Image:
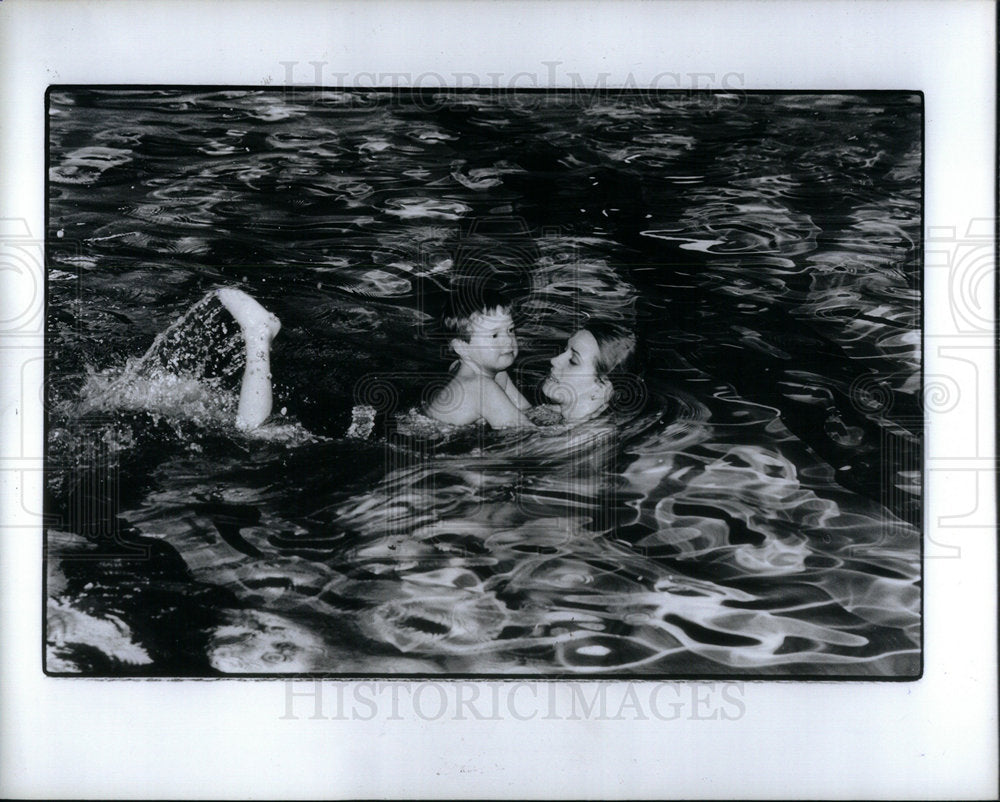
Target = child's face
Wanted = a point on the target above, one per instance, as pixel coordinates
(491, 343)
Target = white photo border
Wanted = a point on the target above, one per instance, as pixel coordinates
(932, 738)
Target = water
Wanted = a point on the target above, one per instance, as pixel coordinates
(753, 509)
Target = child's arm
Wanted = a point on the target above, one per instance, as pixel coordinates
(507, 385)
(498, 410)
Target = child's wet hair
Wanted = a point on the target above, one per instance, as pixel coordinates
(467, 301)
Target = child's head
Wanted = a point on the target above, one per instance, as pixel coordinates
(483, 327)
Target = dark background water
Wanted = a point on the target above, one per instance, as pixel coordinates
(756, 513)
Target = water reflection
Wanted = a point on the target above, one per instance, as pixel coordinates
(764, 249)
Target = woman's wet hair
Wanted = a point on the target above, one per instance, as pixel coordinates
(616, 363)
(616, 348)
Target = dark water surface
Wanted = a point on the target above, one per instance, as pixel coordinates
(754, 511)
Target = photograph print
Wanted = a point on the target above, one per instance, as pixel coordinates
(562, 383)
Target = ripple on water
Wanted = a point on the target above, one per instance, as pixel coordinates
(710, 537)
(450, 620)
(380, 284)
(424, 208)
(256, 642)
(88, 165)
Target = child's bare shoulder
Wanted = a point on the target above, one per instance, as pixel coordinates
(459, 401)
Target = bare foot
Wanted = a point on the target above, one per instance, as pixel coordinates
(255, 321)
(259, 327)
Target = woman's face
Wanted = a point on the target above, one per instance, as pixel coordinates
(573, 383)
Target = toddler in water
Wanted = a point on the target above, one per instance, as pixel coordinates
(485, 343)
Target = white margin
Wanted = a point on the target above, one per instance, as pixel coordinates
(936, 738)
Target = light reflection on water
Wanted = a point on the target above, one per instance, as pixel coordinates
(736, 523)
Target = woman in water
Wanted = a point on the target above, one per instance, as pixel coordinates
(583, 381)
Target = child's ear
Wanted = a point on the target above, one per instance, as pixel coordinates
(459, 346)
